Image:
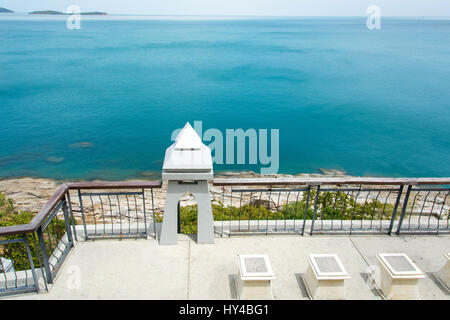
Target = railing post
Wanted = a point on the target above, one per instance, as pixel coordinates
(178, 218)
(38, 253)
(153, 213)
(405, 203)
(82, 215)
(44, 255)
(71, 215)
(315, 208)
(67, 222)
(354, 208)
(306, 210)
(145, 214)
(394, 212)
(30, 259)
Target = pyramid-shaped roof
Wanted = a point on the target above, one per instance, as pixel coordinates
(188, 157)
(188, 139)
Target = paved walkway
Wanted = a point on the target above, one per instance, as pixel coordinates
(142, 269)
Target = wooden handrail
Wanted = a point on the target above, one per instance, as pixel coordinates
(115, 184)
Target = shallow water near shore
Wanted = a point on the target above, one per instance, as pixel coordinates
(101, 102)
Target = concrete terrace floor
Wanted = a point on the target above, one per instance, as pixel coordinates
(143, 269)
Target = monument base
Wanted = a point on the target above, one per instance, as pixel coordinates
(205, 221)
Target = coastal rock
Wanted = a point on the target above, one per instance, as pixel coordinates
(332, 172)
(29, 194)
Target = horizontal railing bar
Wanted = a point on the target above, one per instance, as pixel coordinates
(269, 190)
(356, 189)
(115, 184)
(430, 189)
(22, 289)
(263, 232)
(11, 241)
(117, 236)
(424, 231)
(321, 190)
(355, 232)
(110, 193)
(326, 189)
(330, 181)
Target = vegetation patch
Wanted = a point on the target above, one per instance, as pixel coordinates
(330, 206)
(16, 252)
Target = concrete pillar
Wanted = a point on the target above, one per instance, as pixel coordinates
(205, 221)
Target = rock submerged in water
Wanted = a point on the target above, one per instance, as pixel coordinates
(55, 159)
(332, 172)
(150, 174)
(79, 145)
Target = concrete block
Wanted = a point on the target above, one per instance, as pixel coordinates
(444, 273)
(253, 281)
(399, 276)
(325, 277)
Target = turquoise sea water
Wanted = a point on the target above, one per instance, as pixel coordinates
(368, 102)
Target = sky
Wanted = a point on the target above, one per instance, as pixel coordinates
(241, 7)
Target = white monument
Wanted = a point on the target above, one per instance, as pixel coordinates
(253, 281)
(399, 276)
(187, 167)
(325, 277)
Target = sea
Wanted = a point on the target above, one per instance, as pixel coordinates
(102, 101)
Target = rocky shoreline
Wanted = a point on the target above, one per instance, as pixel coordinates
(31, 194)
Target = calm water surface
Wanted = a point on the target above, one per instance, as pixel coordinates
(368, 102)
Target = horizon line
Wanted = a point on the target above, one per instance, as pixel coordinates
(244, 15)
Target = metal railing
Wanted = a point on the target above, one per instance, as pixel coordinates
(332, 205)
(22, 277)
(98, 210)
(425, 210)
(37, 250)
(47, 239)
(55, 237)
(107, 211)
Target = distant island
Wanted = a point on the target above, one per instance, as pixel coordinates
(4, 10)
(94, 13)
(52, 12)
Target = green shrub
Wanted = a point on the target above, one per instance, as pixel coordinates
(16, 252)
(330, 205)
